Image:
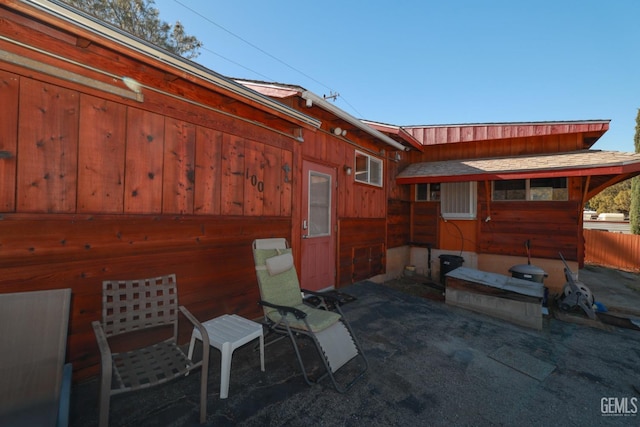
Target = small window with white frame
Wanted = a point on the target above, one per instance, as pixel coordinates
(368, 169)
(458, 200)
(428, 192)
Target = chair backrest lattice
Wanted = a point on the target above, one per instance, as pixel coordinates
(131, 305)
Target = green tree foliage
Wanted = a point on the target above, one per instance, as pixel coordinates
(616, 198)
(141, 18)
(634, 209)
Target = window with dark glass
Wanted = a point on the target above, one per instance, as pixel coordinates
(512, 189)
(428, 192)
(548, 189)
(531, 189)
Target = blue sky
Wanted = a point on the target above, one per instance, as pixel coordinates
(435, 62)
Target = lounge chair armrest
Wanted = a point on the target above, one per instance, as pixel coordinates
(284, 310)
(103, 344)
(198, 325)
(331, 296)
(106, 366)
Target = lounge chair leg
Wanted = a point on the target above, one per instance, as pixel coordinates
(262, 353)
(104, 401)
(204, 376)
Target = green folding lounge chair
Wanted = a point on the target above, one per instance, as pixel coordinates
(286, 313)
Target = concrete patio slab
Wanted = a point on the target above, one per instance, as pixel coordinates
(523, 362)
(430, 364)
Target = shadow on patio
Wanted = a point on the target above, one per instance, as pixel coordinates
(429, 363)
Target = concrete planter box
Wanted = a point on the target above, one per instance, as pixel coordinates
(515, 300)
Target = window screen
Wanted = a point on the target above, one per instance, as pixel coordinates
(458, 200)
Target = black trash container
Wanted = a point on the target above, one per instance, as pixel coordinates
(449, 263)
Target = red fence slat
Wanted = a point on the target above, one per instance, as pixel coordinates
(616, 250)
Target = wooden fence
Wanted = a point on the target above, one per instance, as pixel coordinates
(616, 250)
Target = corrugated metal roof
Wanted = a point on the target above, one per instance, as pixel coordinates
(576, 163)
(453, 133)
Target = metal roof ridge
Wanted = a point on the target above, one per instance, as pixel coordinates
(548, 122)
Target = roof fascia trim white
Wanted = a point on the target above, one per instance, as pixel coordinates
(320, 102)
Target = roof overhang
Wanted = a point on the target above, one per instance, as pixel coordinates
(591, 130)
(398, 131)
(577, 163)
(280, 90)
(101, 29)
(314, 99)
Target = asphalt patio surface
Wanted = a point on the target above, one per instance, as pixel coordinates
(429, 364)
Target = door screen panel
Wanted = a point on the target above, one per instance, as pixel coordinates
(319, 204)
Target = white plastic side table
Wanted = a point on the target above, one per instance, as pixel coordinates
(226, 333)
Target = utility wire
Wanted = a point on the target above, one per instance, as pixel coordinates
(236, 63)
(260, 50)
(250, 44)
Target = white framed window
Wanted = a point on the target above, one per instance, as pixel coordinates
(530, 189)
(368, 169)
(428, 192)
(458, 200)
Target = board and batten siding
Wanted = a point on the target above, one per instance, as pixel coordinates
(75, 153)
(94, 189)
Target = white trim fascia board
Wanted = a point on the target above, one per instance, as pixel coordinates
(89, 23)
(320, 102)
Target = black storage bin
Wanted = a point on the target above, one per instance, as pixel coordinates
(449, 263)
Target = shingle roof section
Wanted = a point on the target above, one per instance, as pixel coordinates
(521, 165)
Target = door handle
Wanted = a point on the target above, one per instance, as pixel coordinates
(304, 224)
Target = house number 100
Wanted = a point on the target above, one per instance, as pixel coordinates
(254, 181)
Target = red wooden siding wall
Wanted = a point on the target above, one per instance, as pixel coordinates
(399, 205)
(98, 187)
(398, 224)
(362, 208)
(362, 249)
(82, 154)
(211, 257)
(425, 218)
(551, 227)
(94, 189)
(355, 200)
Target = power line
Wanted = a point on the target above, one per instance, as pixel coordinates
(250, 44)
(260, 50)
(236, 63)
